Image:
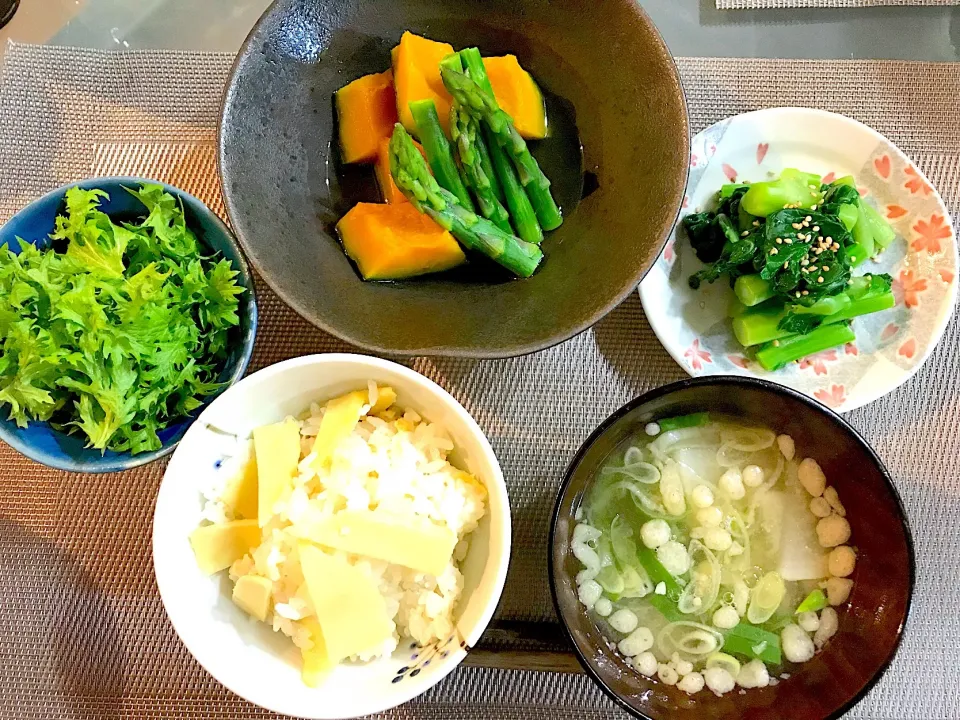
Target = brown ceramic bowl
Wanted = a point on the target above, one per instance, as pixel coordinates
(871, 623)
(611, 85)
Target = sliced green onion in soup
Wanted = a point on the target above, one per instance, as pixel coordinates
(611, 581)
(725, 661)
(636, 582)
(704, 587)
(766, 598)
(749, 439)
(690, 639)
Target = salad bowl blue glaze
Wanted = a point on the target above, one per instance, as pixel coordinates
(39, 440)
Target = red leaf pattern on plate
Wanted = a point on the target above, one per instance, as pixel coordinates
(895, 211)
(739, 360)
(711, 150)
(889, 331)
(946, 276)
(929, 234)
(914, 182)
(818, 361)
(686, 201)
(829, 178)
(850, 349)
(668, 252)
(863, 191)
(730, 173)
(762, 151)
(908, 349)
(909, 286)
(696, 355)
(834, 397)
(693, 160)
(882, 164)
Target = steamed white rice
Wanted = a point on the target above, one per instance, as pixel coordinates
(394, 463)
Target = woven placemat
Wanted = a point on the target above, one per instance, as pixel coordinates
(82, 630)
(788, 4)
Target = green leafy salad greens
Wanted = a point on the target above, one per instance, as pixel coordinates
(118, 329)
(789, 247)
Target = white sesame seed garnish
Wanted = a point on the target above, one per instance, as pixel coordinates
(776, 343)
(779, 241)
(798, 294)
(816, 228)
(788, 241)
(774, 251)
(786, 265)
(744, 233)
(813, 207)
(829, 239)
(826, 268)
(797, 226)
(806, 292)
(756, 223)
(820, 279)
(808, 218)
(853, 258)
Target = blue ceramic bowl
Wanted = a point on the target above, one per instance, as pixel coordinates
(39, 441)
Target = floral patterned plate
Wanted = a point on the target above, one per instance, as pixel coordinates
(890, 346)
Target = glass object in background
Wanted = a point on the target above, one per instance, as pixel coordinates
(690, 27)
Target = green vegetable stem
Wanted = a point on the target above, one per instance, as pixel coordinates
(752, 289)
(464, 130)
(438, 151)
(683, 421)
(484, 105)
(792, 189)
(521, 211)
(753, 642)
(778, 353)
(476, 233)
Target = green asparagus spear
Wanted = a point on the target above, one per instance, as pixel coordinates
(410, 173)
(464, 131)
(521, 211)
(472, 64)
(437, 148)
(486, 162)
(483, 104)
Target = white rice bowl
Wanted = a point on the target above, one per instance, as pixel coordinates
(405, 466)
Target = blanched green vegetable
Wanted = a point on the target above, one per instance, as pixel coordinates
(683, 421)
(793, 188)
(437, 148)
(814, 602)
(752, 289)
(864, 295)
(753, 642)
(521, 211)
(476, 233)
(465, 132)
(778, 353)
(484, 105)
